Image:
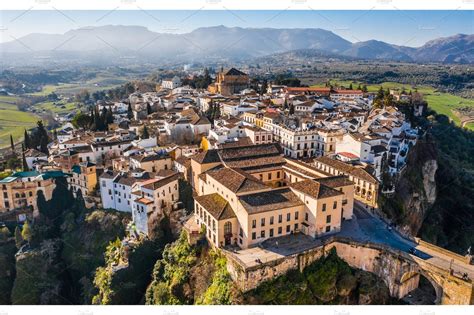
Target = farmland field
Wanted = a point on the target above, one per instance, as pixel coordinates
(69, 89)
(13, 121)
(442, 103)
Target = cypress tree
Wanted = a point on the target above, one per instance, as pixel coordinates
(292, 109)
(148, 109)
(129, 111)
(44, 145)
(12, 145)
(145, 134)
(26, 140)
(23, 160)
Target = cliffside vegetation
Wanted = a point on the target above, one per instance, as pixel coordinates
(58, 251)
(450, 221)
(190, 275)
(128, 267)
(434, 197)
(329, 280)
(198, 275)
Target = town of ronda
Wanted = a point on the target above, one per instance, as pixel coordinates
(244, 157)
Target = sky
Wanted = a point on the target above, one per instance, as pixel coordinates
(407, 28)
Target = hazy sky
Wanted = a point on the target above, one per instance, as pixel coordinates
(409, 28)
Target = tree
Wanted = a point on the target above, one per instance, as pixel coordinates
(4, 233)
(12, 144)
(109, 118)
(292, 109)
(380, 94)
(129, 111)
(145, 134)
(18, 238)
(350, 86)
(13, 163)
(26, 140)
(364, 89)
(264, 87)
(148, 109)
(82, 121)
(44, 145)
(388, 100)
(26, 232)
(23, 160)
(42, 204)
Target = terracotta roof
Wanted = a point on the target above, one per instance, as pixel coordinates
(335, 181)
(308, 89)
(205, 157)
(217, 206)
(144, 201)
(270, 200)
(237, 181)
(233, 71)
(348, 92)
(315, 189)
(161, 182)
(348, 169)
(248, 152)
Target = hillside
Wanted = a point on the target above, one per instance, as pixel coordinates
(198, 275)
(110, 43)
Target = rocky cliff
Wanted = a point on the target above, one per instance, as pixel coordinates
(415, 189)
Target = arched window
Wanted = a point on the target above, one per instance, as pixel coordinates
(227, 228)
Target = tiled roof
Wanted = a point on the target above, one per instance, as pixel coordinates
(347, 169)
(270, 200)
(315, 189)
(335, 181)
(206, 157)
(217, 206)
(236, 181)
(162, 182)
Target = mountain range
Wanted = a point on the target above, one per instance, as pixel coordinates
(230, 43)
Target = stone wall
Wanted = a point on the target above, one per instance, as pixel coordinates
(400, 271)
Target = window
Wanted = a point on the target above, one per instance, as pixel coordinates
(334, 205)
(227, 228)
(296, 226)
(271, 232)
(324, 207)
(279, 230)
(288, 228)
(262, 222)
(254, 224)
(288, 216)
(280, 218)
(241, 232)
(269, 176)
(254, 235)
(262, 234)
(296, 215)
(306, 216)
(328, 219)
(328, 228)
(271, 220)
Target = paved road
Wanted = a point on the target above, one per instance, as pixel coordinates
(363, 228)
(366, 227)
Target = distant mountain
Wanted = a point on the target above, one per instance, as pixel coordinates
(454, 49)
(374, 49)
(107, 43)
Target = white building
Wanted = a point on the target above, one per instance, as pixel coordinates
(171, 84)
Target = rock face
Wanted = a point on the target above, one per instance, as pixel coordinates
(415, 189)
